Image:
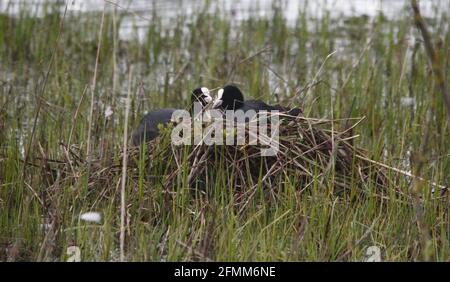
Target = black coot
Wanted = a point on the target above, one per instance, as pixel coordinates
(148, 127)
(231, 98)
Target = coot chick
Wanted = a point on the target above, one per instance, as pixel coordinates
(231, 98)
(148, 126)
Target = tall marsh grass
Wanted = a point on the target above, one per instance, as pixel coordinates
(333, 68)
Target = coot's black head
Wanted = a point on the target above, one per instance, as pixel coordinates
(201, 95)
(229, 98)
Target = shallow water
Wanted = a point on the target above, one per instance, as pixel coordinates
(138, 12)
(170, 8)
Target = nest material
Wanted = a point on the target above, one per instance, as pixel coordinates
(310, 151)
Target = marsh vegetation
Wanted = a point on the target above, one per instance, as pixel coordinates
(64, 83)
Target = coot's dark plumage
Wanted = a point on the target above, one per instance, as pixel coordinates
(231, 98)
(148, 127)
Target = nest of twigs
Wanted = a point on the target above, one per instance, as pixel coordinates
(312, 154)
(309, 150)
